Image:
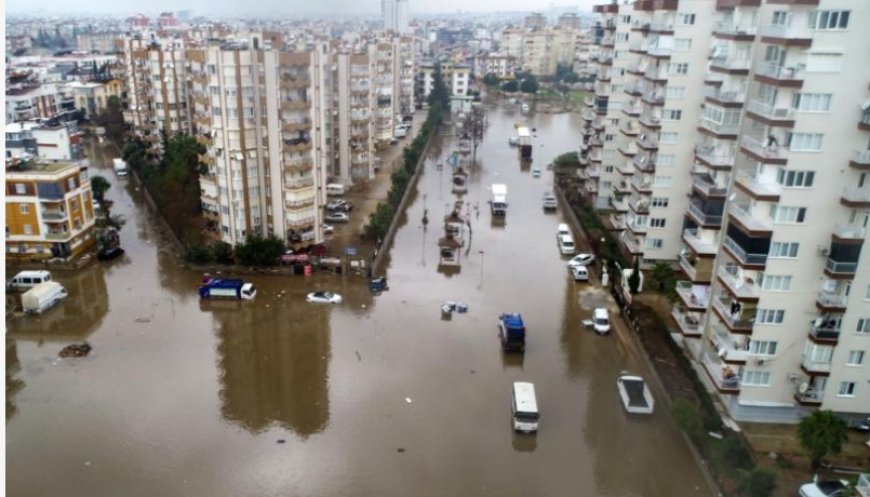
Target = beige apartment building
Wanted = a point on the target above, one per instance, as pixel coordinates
(745, 158)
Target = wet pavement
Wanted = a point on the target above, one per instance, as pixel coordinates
(375, 396)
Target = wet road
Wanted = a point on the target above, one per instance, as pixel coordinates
(183, 398)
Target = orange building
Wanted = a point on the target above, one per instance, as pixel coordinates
(49, 210)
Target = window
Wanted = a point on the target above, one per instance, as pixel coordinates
(755, 379)
(829, 19)
(668, 137)
(665, 160)
(788, 215)
(608, 138)
(28, 229)
(863, 326)
(24, 208)
(673, 92)
(679, 68)
(761, 347)
(662, 180)
(657, 222)
(685, 19)
(795, 179)
(780, 18)
(769, 316)
(856, 358)
(847, 389)
(783, 249)
(71, 183)
(608, 169)
(606, 185)
(653, 243)
(659, 201)
(776, 283)
(216, 111)
(804, 142)
(682, 44)
(812, 102)
(672, 115)
(625, 19)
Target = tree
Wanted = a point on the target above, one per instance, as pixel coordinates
(661, 278)
(634, 279)
(510, 86)
(821, 433)
(112, 119)
(759, 482)
(222, 253)
(259, 251)
(571, 78)
(440, 95)
(491, 79)
(99, 185)
(529, 85)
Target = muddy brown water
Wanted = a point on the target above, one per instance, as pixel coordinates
(279, 397)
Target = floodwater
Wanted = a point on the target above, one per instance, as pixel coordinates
(377, 396)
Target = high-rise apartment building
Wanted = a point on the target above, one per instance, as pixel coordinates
(737, 157)
(541, 49)
(394, 14)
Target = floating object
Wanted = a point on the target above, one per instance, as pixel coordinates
(461, 307)
(76, 350)
(408, 400)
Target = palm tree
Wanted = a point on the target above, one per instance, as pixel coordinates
(821, 433)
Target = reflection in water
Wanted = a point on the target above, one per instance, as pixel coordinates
(73, 319)
(511, 360)
(524, 442)
(274, 374)
(13, 385)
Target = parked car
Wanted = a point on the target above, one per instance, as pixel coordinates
(580, 273)
(562, 229)
(339, 205)
(323, 298)
(566, 245)
(830, 488)
(337, 217)
(328, 229)
(581, 260)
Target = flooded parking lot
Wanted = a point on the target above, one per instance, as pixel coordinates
(377, 396)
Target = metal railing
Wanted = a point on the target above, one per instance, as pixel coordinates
(691, 236)
(788, 32)
(684, 289)
(838, 267)
(742, 287)
(730, 62)
(708, 188)
(724, 96)
(811, 365)
(767, 152)
(741, 253)
(827, 299)
(721, 374)
(861, 156)
(759, 222)
(734, 29)
(726, 348)
(712, 156)
(702, 216)
(769, 111)
(849, 231)
(719, 128)
(756, 187)
(783, 73)
(737, 319)
(685, 321)
(857, 193)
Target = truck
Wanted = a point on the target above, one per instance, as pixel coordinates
(42, 297)
(227, 288)
(512, 332)
(120, 167)
(498, 204)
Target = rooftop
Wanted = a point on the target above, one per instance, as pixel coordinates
(31, 166)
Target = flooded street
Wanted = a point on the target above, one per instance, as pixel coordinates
(378, 396)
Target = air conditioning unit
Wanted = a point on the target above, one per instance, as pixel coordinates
(793, 378)
(824, 251)
(759, 362)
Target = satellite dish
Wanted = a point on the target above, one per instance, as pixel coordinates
(803, 387)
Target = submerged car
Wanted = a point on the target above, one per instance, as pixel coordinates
(323, 298)
(328, 229)
(337, 217)
(339, 205)
(581, 260)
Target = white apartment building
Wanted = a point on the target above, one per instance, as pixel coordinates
(541, 49)
(263, 114)
(456, 77)
(500, 64)
(394, 14)
(752, 169)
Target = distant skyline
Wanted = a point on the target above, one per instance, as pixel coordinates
(281, 7)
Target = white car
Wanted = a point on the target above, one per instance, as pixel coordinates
(562, 229)
(323, 298)
(337, 217)
(580, 273)
(581, 260)
(829, 488)
(566, 245)
(328, 229)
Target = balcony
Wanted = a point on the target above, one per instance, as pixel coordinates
(791, 36)
(650, 120)
(856, 196)
(703, 218)
(718, 96)
(695, 297)
(860, 159)
(770, 114)
(589, 100)
(706, 188)
(643, 164)
(840, 269)
(768, 192)
(57, 235)
(628, 149)
(654, 98)
(735, 316)
(741, 32)
(742, 288)
(714, 158)
(631, 243)
(810, 397)
(632, 110)
(629, 128)
(637, 47)
(721, 130)
(688, 322)
(791, 77)
(739, 253)
(658, 52)
(751, 222)
(848, 232)
(724, 378)
(701, 246)
(640, 206)
(766, 154)
(641, 185)
(50, 216)
(617, 222)
(730, 65)
(812, 367)
(619, 204)
(730, 349)
(831, 301)
(698, 269)
(647, 142)
(637, 225)
(656, 75)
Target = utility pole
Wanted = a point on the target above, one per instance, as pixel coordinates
(476, 125)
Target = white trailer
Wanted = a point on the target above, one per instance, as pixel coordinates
(498, 204)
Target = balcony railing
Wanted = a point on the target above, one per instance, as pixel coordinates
(658, 51)
(707, 188)
(724, 96)
(704, 217)
(828, 299)
(861, 156)
(630, 243)
(742, 255)
(719, 128)
(815, 366)
(857, 194)
(684, 290)
(770, 111)
(727, 348)
(778, 72)
(774, 152)
(757, 188)
(787, 32)
(734, 29)
(733, 63)
(688, 323)
(741, 287)
(756, 222)
(714, 157)
(811, 397)
(837, 267)
(736, 320)
(700, 246)
(849, 232)
(723, 376)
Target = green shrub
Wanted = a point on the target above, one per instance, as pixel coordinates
(759, 482)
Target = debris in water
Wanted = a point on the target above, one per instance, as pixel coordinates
(87, 463)
(358, 357)
(281, 440)
(76, 350)
(143, 319)
(472, 371)
(400, 450)
(408, 400)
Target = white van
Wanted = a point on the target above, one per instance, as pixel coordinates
(601, 321)
(550, 201)
(26, 280)
(566, 245)
(524, 407)
(580, 273)
(42, 297)
(335, 189)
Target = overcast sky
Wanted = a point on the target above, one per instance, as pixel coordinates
(301, 7)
